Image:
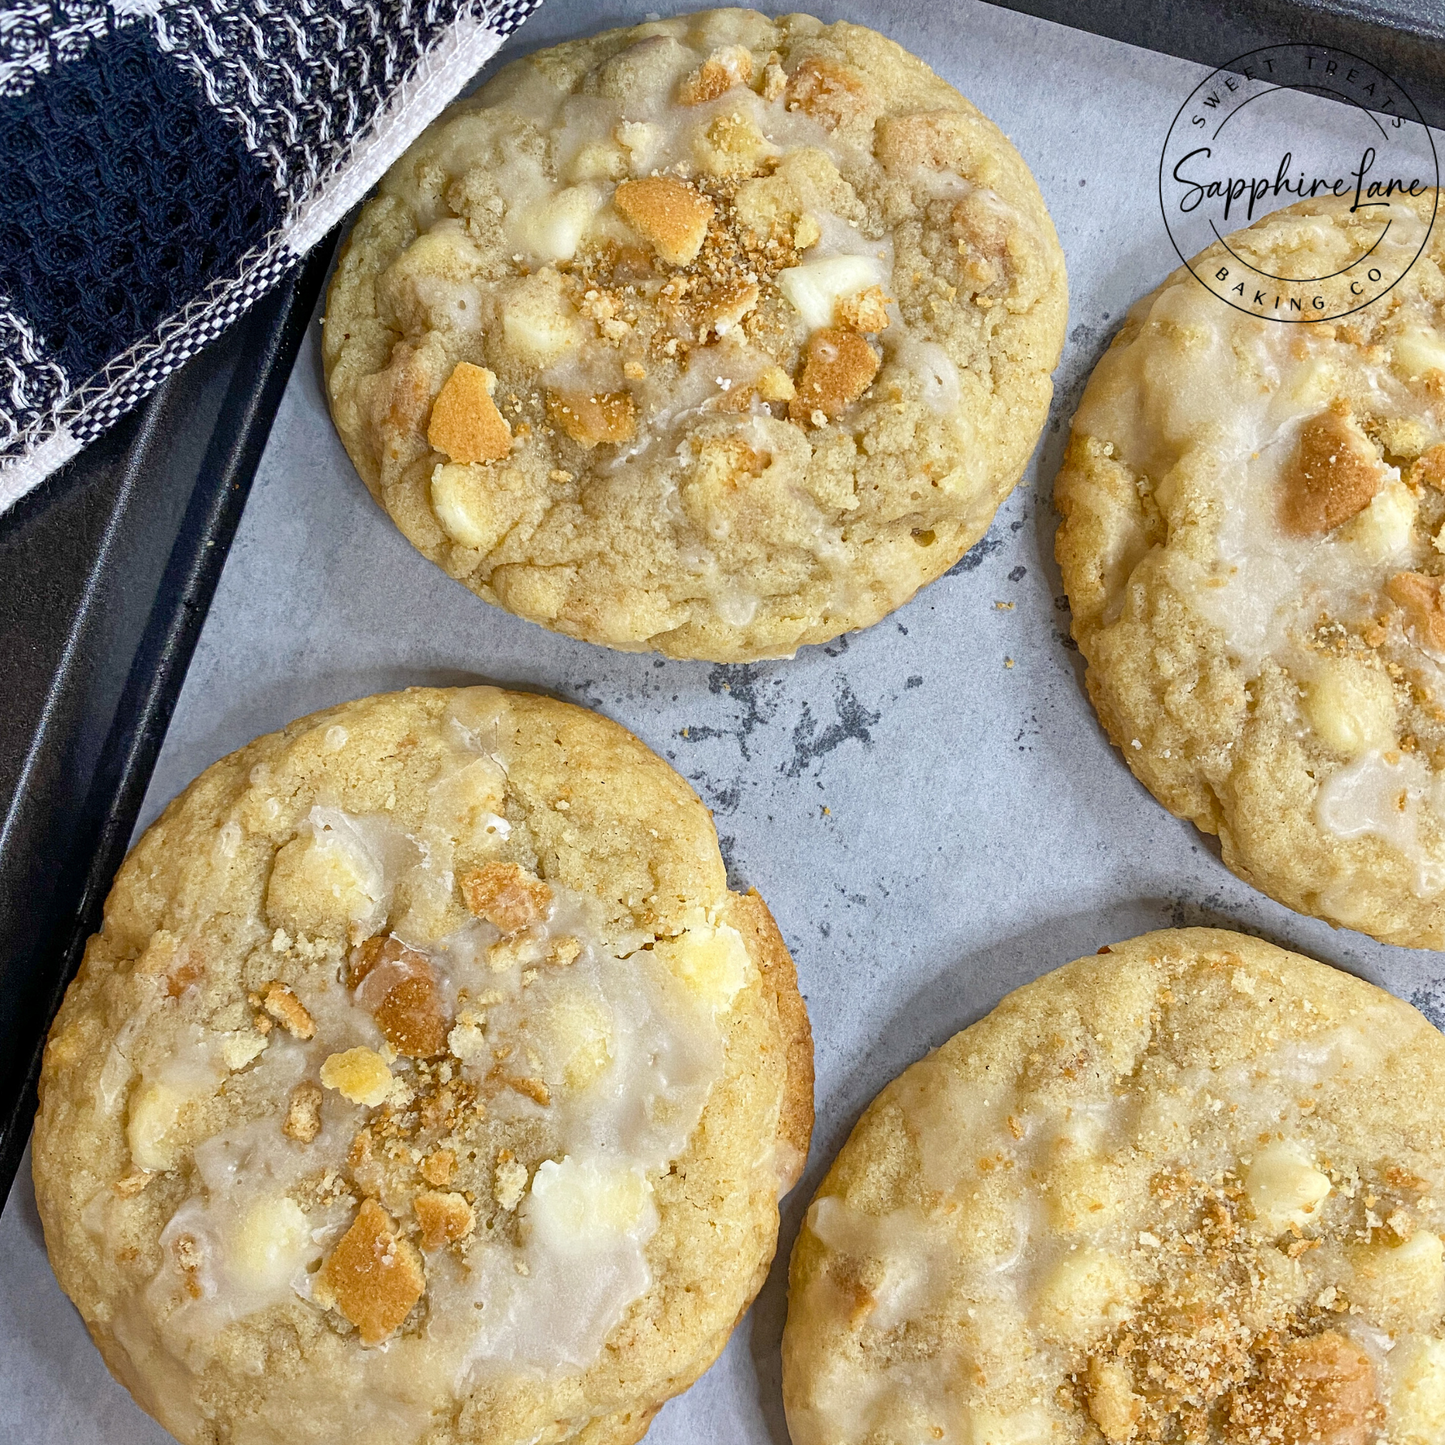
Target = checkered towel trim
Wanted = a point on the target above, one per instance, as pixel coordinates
(165, 163)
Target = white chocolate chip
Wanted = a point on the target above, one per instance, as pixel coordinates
(710, 958)
(1385, 528)
(1417, 1403)
(816, 287)
(576, 1204)
(1084, 1295)
(238, 1049)
(551, 229)
(269, 1243)
(1284, 1186)
(1351, 706)
(1417, 353)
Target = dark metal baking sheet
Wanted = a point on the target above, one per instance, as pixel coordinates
(108, 570)
(1404, 38)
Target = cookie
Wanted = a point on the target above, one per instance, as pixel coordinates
(425, 1083)
(1251, 546)
(1190, 1190)
(715, 336)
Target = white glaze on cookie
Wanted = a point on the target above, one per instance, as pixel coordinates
(445, 1133)
(1260, 503)
(764, 351)
(1091, 1229)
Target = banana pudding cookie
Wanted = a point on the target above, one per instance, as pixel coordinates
(425, 1084)
(1254, 519)
(1189, 1191)
(715, 336)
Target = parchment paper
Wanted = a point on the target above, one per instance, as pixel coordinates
(931, 826)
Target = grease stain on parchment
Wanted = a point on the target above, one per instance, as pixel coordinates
(810, 743)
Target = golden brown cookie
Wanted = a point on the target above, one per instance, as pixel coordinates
(426, 1082)
(1190, 1190)
(1254, 514)
(715, 336)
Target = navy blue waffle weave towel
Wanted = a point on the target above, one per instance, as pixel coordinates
(162, 164)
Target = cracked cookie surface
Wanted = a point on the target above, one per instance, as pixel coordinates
(1254, 517)
(716, 336)
(1191, 1191)
(425, 1083)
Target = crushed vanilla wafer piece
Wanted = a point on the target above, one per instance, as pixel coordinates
(595, 418)
(505, 895)
(832, 94)
(724, 68)
(438, 1167)
(1113, 1405)
(400, 988)
(838, 367)
(516, 950)
(288, 1011)
(1417, 595)
(444, 1218)
(1334, 474)
(774, 384)
(1428, 469)
(564, 951)
(510, 1181)
(733, 146)
(465, 423)
(669, 213)
(730, 306)
(373, 1277)
(303, 1113)
(534, 1089)
(1317, 1389)
(243, 1047)
(865, 310)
